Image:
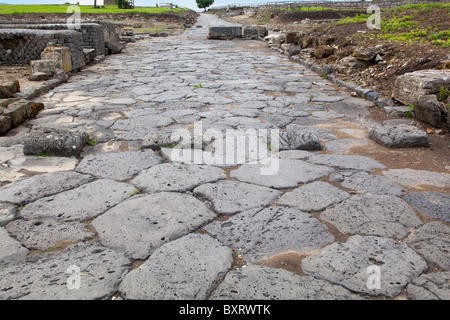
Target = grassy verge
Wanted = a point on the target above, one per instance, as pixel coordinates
(22, 9)
(409, 24)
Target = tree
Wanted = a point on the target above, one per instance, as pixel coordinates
(203, 4)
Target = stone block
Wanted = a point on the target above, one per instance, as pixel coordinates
(255, 32)
(5, 124)
(57, 142)
(225, 32)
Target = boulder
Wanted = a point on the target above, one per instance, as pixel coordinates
(419, 89)
(7, 89)
(367, 54)
(323, 51)
(290, 37)
(113, 47)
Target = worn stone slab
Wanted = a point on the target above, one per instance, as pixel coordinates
(60, 142)
(8, 213)
(432, 242)
(430, 286)
(295, 154)
(346, 162)
(11, 251)
(43, 164)
(187, 268)
(418, 178)
(230, 197)
(285, 173)
(363, 182)
(254, 282)
(261, 234)
(176, 177)
(345, 145)
(320, 133)
(156, 140)
(142, 224)
(377, 215)
(118, 165)
(295, 140)
(46, 276)
(43, 234)
(399, 136)
(79, 204)
(434, 204)
(347, 264)
(315, 196)
(30, 189)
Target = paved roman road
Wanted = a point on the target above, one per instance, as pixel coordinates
(137, 217)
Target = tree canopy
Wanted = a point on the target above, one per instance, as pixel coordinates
(203, 4)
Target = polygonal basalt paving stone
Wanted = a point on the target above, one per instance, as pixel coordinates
(30, 189)
(83, 203)
(53, 276)
(434, 204)
(432, 242)
(348, 162)
(176, 177)
(286, 173)
(230, 197)
(378, 215)
(431, 286)
(260, 234)
(42, 234)
(363, 182)
(142, 224)
(11, 250)
(8, 213)
(418, 178)
(186, 268)
(254, 282)
(118, 165)
(314, 196)
(354, 264)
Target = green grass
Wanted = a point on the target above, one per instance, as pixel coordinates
(21, 9)
(356, 19)
(404, 26)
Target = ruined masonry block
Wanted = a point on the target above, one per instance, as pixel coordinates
(21, 110)
(255, 31)
(57, 142)
(225, 32)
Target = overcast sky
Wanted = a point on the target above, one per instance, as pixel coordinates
(183, 3)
